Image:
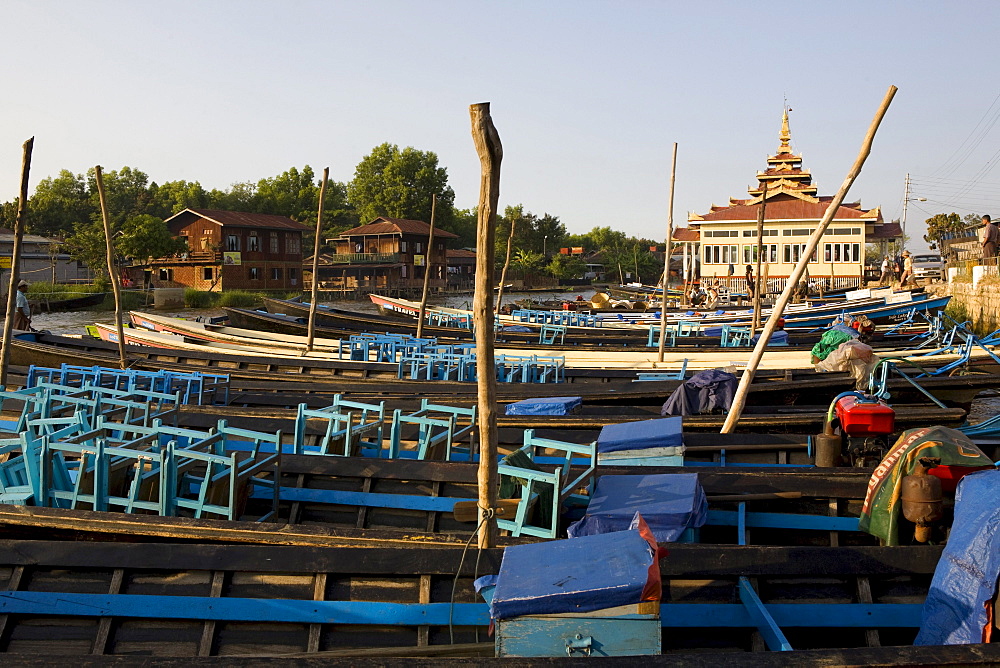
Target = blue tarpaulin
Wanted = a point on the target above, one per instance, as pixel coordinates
(779, 338)
(658, 433)
(579, 575)
(966, 576)
(544, 406)
(670, 503)
(705, 392)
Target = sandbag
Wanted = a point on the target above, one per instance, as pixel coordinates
(854, 357)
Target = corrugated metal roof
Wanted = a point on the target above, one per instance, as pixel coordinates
(386, 225)
(239, 219)
(788, 209)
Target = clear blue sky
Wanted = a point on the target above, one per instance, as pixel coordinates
(587, 96)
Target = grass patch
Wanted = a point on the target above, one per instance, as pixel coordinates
(198, 299)
(241, 299)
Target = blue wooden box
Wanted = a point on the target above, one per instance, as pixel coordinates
(628, 630)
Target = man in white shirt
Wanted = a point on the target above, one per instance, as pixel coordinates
(22, 310)
(886, 276)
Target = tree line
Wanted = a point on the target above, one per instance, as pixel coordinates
(389, 181)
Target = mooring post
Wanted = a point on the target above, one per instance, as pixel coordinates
(15, 262)
(666, 259)
(779, 305)
(490, 151)
(427, 271)
(506, 263)
(760, 251)
(112, 269)
(315, 268)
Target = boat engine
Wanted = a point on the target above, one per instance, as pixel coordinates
(922, 498)
(864, 421)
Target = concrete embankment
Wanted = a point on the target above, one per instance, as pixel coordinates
(978, 303)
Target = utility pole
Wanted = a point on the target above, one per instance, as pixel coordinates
(902, 222)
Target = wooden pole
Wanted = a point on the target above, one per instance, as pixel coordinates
(314, 297)
(506, 263)
(666, 259)
(15, 262)
(427, 271)
(490, 151)
(779, 306)
(760, 252)
(112, 269)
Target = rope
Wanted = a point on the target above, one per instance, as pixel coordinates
(488, 513)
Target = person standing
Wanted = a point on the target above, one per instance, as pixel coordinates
(907, 269)
(989, 235)
(22, 309)
(886, 276)
(750, 282)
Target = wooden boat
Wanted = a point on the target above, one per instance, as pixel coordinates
(892, 309)
(69, 304)
(263, 605)
(284, 375)
(287, 324)
(186, 335)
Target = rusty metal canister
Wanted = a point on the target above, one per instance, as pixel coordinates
(922, 498)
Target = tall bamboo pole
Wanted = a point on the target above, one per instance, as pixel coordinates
(427, 271)
(760, 252)
(506, 263)
(666, 259)
(15, 261)
(490, 151)
(112, 269)
(779, 306)
(314, 297)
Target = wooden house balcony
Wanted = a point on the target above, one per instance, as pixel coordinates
(362, 258)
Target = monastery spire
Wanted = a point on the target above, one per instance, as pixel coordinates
(786, 135)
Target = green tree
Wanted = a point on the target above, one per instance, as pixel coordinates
(175, 196)
(87, 245)
(399, 184)
(59, 203)
(940, 225)
(126, 192)
(526, 262)
(464, 223)
(566, 266)
(143, 237)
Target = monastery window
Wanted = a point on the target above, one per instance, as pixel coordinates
(842, 252)
(766, 233)
(721, 254)
(770, 253)
(232, 242)
(844, 230)
(293, 244)
(722, 233)
(799, 232)
(274, 243)
(253, 273)
(253, 243)
(793, 252)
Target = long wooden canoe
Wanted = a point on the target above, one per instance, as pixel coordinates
(176, 604)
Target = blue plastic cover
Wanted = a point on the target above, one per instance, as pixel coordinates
(669, 502)
(544, 406)
(658, 433)
(580, 575)
(966, 575)
(846, 329)
(516, 328)
(777, 338)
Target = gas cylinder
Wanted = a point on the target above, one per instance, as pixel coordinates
(922, 499)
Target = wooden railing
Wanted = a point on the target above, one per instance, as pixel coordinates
(363, 258)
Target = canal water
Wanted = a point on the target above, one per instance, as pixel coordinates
(986, 406)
